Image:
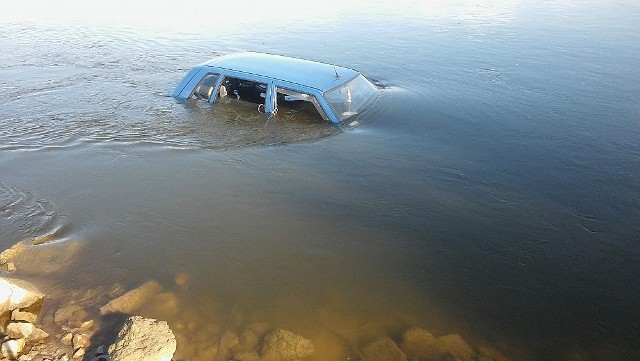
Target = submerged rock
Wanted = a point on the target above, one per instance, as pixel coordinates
(419, 344)
(456, 346)
(70, 316)
(133, 299)
(384, 349)
(16, 294)
(282, 345)
(491, 354)
(143, 339)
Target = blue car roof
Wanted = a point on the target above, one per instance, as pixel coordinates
(304, 72)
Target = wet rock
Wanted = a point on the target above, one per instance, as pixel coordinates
(246, 356)
(48, 258)
(282, 345)
(419, 344)
(228, 340)
(143, 339)
(210, 352)
(11, 348)
(163, 304)
(491, 354)
(70, 316)
(8, 254)
(247, 342)
(16, 294)
(182, 280)
(133, 299)
(384, 349)
(18, 315)
(259, 328)
(456, 346)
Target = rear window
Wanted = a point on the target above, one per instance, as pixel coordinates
(352, 97)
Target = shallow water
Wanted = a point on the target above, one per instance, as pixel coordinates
(492, 191)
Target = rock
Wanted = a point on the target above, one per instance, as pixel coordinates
(87, 324)
(11, 267)
(67, 339)
(456, 346)
(19, 330)
(37, 335)
(248, 342)
(282, 345)
(182, 279)
(16, 294)
(384, 349)
(78, 353)
(8, 254)
(18, 315)
(48, 258)
(143, 339)
(133, 299)
(246, 356)
(80, 340)
(11, 348)
(228, 340)
(70, 316)
(419, 344)
(164, 304)
(259, 328)
(491, 354)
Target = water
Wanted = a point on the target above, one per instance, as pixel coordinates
(493, 190)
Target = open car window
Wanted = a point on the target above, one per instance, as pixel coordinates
(288, 100)
(243, 90)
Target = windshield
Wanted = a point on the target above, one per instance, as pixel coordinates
(350, 98)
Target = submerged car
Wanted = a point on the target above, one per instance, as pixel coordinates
(337, 93)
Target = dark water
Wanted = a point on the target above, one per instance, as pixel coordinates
(493, 191)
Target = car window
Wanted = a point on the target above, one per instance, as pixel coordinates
(205, 87)
(350, 98)
(243, 90)
(291, 102)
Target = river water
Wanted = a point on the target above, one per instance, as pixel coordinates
(493, 190)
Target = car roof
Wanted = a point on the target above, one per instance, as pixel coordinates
(304, 72)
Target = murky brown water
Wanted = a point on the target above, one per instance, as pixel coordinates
(493, 191)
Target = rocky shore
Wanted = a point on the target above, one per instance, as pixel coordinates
(113, 323)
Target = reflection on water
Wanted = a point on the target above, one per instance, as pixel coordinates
(491, 192)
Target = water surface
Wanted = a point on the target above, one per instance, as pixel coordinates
(492, 191)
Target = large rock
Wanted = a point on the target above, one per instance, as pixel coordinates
(143, 339)
(282, 345)
(71, 316)
(11, 348)
(26, 331)
(456, 346)
(132, 300)
(421, 345)
(16, 294)
(384, 349)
